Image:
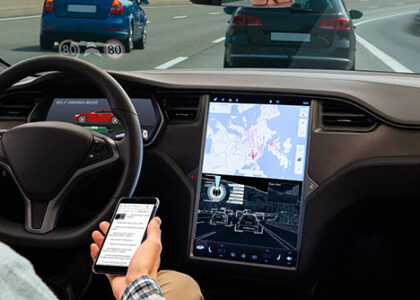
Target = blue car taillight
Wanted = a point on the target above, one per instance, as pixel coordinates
(116, 8)
(49, 5)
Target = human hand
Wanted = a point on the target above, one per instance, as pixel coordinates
(145, 260)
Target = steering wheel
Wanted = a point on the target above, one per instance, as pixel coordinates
(46, 159)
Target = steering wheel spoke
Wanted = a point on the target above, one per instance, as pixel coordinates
(102, 153)
(3, 158)
(41, 217)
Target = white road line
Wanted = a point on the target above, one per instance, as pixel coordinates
(391, 62)
(171, 63)
(383, 18)
(381, 55)
(180, 17)
(205, 235)
(171, 6)
(20, 18)
(219, 40)
(215, 13)
(148, 22)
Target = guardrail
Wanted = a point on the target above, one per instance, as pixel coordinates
(15, 8)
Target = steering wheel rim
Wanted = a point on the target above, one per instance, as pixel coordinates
(128, 151)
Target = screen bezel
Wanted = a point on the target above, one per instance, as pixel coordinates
(288, 100)
(104, 269)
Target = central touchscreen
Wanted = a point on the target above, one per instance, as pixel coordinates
(252, 177)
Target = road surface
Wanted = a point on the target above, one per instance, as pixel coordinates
(191, 36)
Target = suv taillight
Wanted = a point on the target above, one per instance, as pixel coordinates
(241, 20)
(116, 7)
(338, 24)
(49, 5)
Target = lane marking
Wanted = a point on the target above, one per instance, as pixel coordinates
(219, 40)
(383, 18)
(205, 235)
(388, 60)
(171, 63)
(172, 6)
(148, 22)
(180, 17)
(214, 13)
(279, 239)
(20, 18)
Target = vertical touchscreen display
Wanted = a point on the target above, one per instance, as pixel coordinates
(125, 235)
(251, 182)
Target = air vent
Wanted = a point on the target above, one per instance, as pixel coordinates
(17, 106)
(181, 108)
(338, 116)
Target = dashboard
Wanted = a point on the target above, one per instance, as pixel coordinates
(257, 166)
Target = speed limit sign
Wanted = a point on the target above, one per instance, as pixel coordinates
(69, 48)
(114, 49)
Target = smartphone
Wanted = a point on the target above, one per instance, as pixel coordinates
(125, 234)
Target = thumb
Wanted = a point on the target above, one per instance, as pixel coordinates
(153, 229)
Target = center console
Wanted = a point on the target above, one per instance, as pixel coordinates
(250, 186)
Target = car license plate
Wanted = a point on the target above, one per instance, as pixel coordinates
(78, 8)
(290, 37)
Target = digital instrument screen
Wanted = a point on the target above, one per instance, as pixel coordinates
(252, 177)
(95, 114)
(125, 235)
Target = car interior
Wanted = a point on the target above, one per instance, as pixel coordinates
(348, 222)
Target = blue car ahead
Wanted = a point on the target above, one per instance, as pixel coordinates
(93, 21)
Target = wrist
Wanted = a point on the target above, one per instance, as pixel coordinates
(132, 277)
(120, 291)
(128, 281)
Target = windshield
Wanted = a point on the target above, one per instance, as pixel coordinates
(369, 35)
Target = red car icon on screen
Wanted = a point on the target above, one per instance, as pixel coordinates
(102, 115)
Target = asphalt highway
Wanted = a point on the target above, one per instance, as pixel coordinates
(191, 36)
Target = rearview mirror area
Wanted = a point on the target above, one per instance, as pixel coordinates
(355, 14)
(229, 10)
(246, 3)
(208, 2)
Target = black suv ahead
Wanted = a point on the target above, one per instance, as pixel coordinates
(308, 34)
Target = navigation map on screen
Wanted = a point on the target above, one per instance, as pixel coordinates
(252, 177)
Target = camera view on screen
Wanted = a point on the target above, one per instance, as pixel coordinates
(252, 178)
(125, 235)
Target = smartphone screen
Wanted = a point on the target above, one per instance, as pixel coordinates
(127, 231)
